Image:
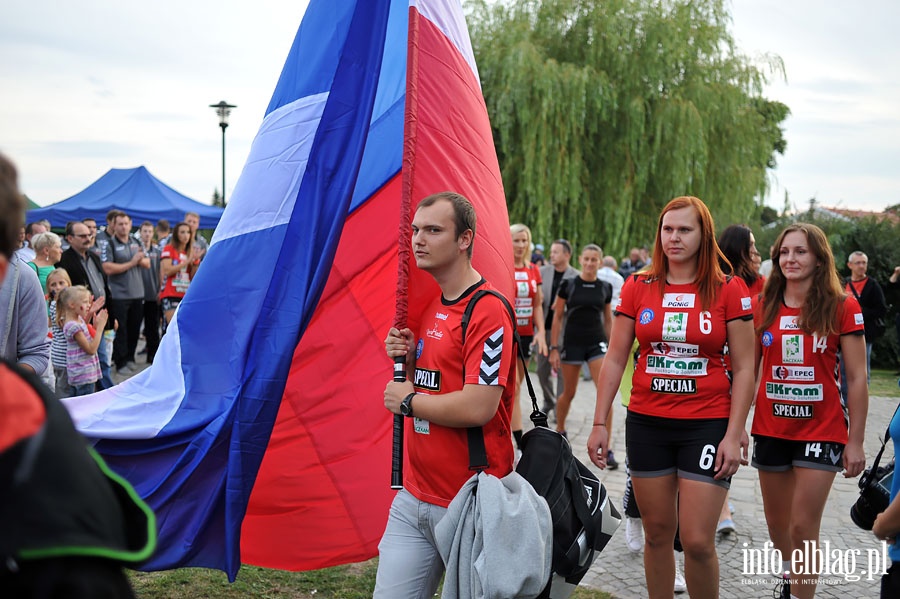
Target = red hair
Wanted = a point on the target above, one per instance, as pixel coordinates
(709, 274)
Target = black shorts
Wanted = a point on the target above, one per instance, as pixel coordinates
(771, 454)
(169, 303)
(527, 341)
(686, 447)
(576, 354)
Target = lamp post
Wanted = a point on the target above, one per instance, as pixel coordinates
(223, 109)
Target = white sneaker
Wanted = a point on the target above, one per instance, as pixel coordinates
(680, 584)
(634, 534)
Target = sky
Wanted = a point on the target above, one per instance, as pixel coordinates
(94, 85)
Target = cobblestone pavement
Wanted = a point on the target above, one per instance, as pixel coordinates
(621, 573)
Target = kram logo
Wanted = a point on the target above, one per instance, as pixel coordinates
(678, 300)
(858, 318)
(746, 304)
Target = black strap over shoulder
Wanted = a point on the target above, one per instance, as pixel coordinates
(477, 453)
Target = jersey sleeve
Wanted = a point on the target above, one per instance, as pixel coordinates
(738, 304)
(536, 273)
(852, 322)
(488, 350)
(565, 288)
(625, 305)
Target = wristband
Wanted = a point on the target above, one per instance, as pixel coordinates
(599, 424)
(554, 347)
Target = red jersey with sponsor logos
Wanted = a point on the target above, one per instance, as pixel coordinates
(680, 371)
(799, 393)
(439, 455)
(528, 280)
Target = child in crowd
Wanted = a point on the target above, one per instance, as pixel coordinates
(58, 280)
(82, 365)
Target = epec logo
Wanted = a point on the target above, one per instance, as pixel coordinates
(678, 300)
(793, 373)
(793, 411)
(788, 323)
(427, 379)
(784, 392)
(673, 386)
(675, 349)
(676, 366)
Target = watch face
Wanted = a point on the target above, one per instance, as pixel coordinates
(406, 406)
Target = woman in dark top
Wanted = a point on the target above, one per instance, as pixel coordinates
(584, 304)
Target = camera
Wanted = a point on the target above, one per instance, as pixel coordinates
(874, 495)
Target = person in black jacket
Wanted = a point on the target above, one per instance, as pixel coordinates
(86, 268)
(868, 293)
(67, 522)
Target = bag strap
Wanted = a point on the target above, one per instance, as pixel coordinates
(475, 434)
(852, 288)
(884, 440)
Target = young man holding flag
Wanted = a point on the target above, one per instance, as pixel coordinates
(455, 384)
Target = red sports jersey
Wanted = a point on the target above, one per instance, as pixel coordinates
(681, 368)
(528, 280)
(757, 288)
(177, 284)
(439, 455)
(799, 394)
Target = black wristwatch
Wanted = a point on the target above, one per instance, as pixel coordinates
(406, 405)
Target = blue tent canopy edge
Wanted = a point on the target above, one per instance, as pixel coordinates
(133, 190)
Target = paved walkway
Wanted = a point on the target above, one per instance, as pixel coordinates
(621, 573)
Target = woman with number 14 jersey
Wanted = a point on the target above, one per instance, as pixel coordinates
(684, 431)
(800, 431)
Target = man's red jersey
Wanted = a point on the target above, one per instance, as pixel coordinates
(528, 280)
(681, 367)
(799, 394)
(439, 455)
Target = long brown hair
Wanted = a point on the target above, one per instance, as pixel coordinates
(175, 243)
(709, 274)
(826, 294)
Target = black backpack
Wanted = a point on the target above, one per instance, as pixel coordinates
(584, 519)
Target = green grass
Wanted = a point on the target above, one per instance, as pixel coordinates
(883, 383)
(354, 581)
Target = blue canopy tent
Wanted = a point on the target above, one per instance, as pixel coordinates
(135, 191)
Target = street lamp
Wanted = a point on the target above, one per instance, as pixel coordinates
(223, 109)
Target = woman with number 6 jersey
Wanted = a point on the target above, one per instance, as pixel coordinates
(799, 426)
(684, 431)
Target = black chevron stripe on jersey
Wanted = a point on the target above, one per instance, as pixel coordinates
(490, 359)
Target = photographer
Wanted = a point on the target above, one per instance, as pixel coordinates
(887, 525)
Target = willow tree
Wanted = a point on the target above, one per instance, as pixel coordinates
(603, 110)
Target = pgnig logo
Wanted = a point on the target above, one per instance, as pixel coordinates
(646, 316)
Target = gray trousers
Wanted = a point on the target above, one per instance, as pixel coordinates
(545, 378)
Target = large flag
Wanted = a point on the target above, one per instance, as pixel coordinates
(259, 433)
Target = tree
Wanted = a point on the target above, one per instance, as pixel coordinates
(217, 199)
(605, 110)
